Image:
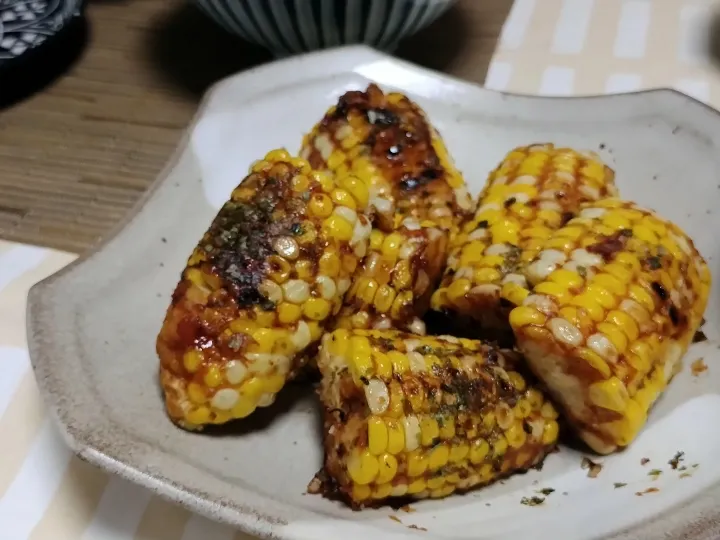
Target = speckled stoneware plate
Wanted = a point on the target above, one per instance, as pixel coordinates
(93, 325)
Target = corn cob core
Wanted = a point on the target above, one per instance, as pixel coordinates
(386, 141)
(259, 289)
(392, 287)
(529, 195)
(425, 416)
(618, 295)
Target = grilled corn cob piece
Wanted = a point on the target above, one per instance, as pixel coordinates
(618, 295)
(424, 417)
(387, 141)
(259, 288)
(528, 196)
(392, 287)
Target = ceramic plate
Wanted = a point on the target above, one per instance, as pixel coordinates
(92, 326)
(25, 25)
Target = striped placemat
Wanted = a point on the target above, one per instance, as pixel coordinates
(551, 47)
(581, 47)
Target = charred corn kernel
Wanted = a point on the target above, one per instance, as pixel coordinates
(430, 448)
(637, 275)
(377, 436)
(192, 360)
(396, 437)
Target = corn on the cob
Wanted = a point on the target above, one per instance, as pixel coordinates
(387, 141)
(259, 289)
(618, 295)
(425, 416)
(528, 196)
(392, 287)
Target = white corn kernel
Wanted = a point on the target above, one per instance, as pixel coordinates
(377, 396)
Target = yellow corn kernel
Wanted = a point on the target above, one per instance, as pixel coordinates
(383, 365)
(252, 388)
(402, 302)
(641, 296)
(361, 356)
(416, 486)
(590, 305)
(391, 246)
(402, 276)
(417, 463)
(363, 467)
(522, 408)
(196, 393)
(349, 263)
(548, 411)
(500, 446)
(615, 335)
(300, 183)
(611, 283)
(317, 309)
(486, 275)
(192, 360)
(479, 449)
(436, 482)
(625, 322)
(396, 437)
(594, 360)
(329, 264)
(626, 430)
(336, 159)
(264, 339)
(357, 188)
(567, 278)
(458, 289)
(273, 384)
(376, 239)
(343, 198)
(304, 270)
(429, 429)
(361, 492)
(264, 319)
(458, 452)
(198, 416)
(384, 298)
(630, 260)
(515, 435)
(535, 398)
(289, 313)
(377, 436)
(610, 394)
(516, 380)
(525, 316)
(338, 227)
(447, 429)
(616, 221)
(213, 376)
(400, 362)
(643, 352)
(388, 468)
(550, 432)
(514, 293)
(320, 205)
(438, 457)
(366, 289)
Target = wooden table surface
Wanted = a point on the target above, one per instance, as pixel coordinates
(86, 127)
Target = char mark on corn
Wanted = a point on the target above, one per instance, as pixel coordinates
(425, 417)
(259, 289)
(387, 141)
(612, 312)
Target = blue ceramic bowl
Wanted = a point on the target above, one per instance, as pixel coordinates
(292, 26)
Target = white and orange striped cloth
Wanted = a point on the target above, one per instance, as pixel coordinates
(552, 47)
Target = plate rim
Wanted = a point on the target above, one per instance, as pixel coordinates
(697, 519)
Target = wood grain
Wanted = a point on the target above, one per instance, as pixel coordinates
(87, 126)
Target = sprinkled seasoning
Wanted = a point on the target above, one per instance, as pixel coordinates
(698, 367)
(619, 485)
(593, 468)
(676, 459)
(395, 518)
(644, 461)
(546, 491)
(655, 474)
(648, 490)
(699, 337)
(417, 528)
(532, 501)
